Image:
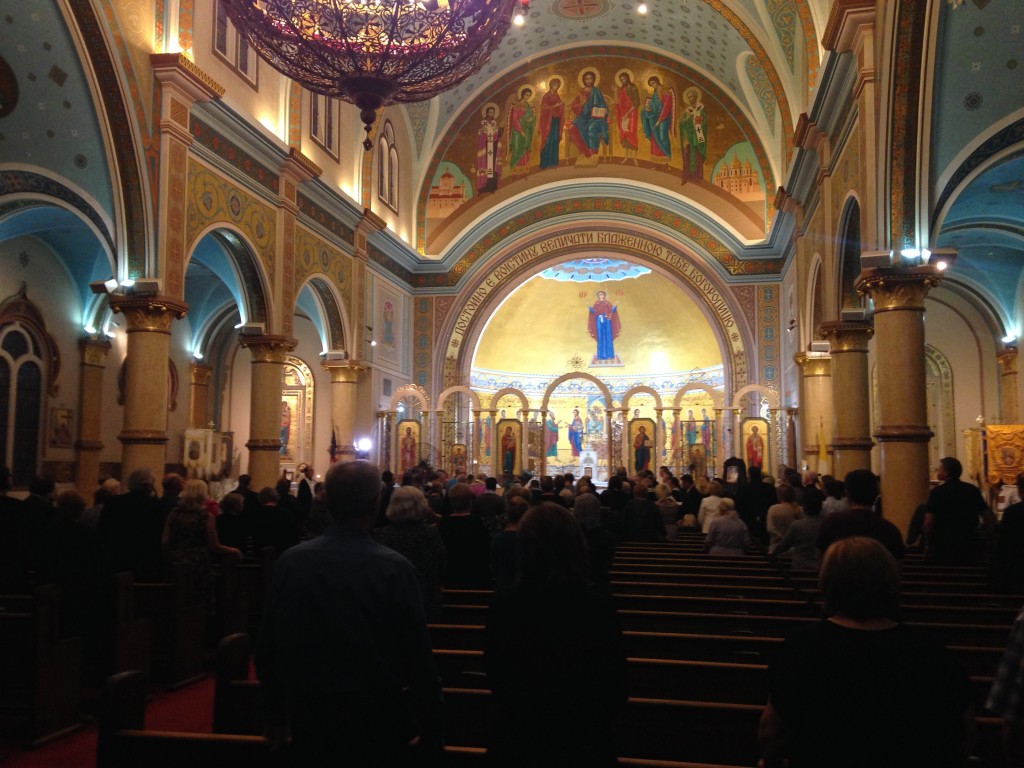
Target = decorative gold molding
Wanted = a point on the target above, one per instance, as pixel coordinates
(153, 314)
(847, 336)
(94, 351)
(813, 366)
(904, 433)
(143, 437)
(199, 374)
(264, 444)
(344, 373)
(894, 288)
(179, 69)
(300, 166)
(1007, 361)
(268, 349)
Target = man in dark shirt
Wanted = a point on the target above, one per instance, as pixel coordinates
(1008, 563)
(467, 542)
(951, 519)
(753, 501)
(344, 653)
(489, 507)
(860, 519)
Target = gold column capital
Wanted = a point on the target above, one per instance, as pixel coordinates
(199, 374)
(1007, 360)
(152, 314)
(812, 366)
(846, 336)
(268, 349)
(898, 288)
(94, 350)
(344, 372)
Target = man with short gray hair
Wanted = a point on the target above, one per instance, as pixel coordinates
(131, 525)
(344, 654)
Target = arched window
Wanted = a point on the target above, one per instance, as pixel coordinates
(387, 167)
(21, 400)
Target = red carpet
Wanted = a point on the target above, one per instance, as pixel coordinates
(190, 709)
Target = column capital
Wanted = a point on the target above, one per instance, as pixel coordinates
(94, 350)
(846, 336)
(268, 349)
(812, 366)
(1007, 360)
(344, 372)
(898, 288)
(152, 314)
(199, 374)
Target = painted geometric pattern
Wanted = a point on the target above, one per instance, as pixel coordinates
(419, 113)
(768, 332)
(212, 199)
(747, 301)
(377, 256)
(424, 334)
(810, 42)
(28, 183)
(238, 158)
(686, 228)
(336, 227)
(318, 257)
(763, 88)
(783, 14)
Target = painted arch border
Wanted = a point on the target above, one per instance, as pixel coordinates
(686, 228)
(484, 294)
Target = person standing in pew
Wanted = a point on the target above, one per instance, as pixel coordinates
(954, 513)
(344, 656)
(860, 518)
(1006, 699)
(131, 525)
(859, 689)
(554, 654)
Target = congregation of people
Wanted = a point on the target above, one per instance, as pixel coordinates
(364, 563)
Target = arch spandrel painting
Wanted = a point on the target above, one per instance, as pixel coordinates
(616, 115)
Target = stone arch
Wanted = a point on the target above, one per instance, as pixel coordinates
(410, 390)
(473, 396)
(605, 392)
(252, 283)
(717, 399)
(524, 401)
(769, 394)
(332, 311)
(641, 389)
(512, 262)
(848, 253)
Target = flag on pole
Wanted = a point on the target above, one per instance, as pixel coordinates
(333, 450)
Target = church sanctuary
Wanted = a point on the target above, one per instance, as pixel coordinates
(509, 239)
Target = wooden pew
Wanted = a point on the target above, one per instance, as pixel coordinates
(254, 577)
(128, 639)
(40, 672)
(179, 621)
(123, 741)
(232, 614)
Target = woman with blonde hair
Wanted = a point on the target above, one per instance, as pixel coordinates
(190, 539)
(727, 534)
(709, 506)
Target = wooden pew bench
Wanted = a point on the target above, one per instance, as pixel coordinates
(179, 621)
(40, 672)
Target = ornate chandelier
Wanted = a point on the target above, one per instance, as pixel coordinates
(372, 53)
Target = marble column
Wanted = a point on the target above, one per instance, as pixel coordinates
(144, 435)
(903, 432)
(264, 444)
(851, 432)
(815, 406)
(199, 393)
(344, 388)
(90, 413)
(1008, 408)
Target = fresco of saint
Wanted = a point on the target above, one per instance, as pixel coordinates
(657, 119)
(551, 436)
(552, 117)
(589, 129)
(488, 151)
(522, 121)
(604, 326)
(627, 115)
(576, 433)
(693, 135)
